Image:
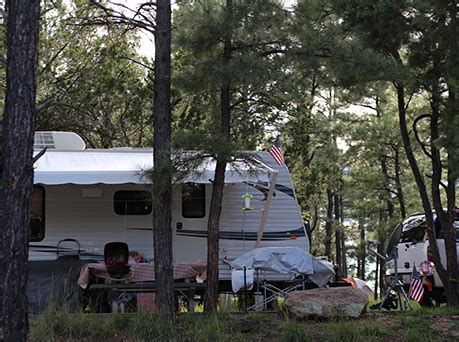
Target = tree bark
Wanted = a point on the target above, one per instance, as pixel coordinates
(445, 218)
(338, 235)
(213, 245)
(385, 172)
(420, 184)
(329, 225)
(376, 288)
(162, 188)
(17, 169)
(382, 268)
(362, 253)
(311, 227)
(213, 225)
(449, 117)
(398, 182)
(343, 239)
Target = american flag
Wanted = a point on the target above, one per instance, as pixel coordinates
(416, 288)
(276, 152)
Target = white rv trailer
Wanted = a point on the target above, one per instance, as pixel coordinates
(97, 196)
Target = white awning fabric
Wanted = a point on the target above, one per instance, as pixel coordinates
(126, 166)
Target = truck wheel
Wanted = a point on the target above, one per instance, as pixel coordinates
(433, 298)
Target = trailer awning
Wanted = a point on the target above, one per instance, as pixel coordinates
(128, 166)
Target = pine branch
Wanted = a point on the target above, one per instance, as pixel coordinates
(116, 15)
(416, 134)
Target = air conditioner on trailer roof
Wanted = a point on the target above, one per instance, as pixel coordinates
(58, 141)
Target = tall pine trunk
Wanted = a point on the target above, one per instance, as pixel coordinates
(382, 269)
(451, 286)
(398, 182)
(213, 245)
(445, 219)
(329, 225)
(213, 225)
(362, 253)
(343, 239)
(376, 288)
(338, 235)
(162, 188)
(17, 168)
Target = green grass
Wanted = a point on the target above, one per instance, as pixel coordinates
(53, 324)
(420, 324)
(417, 327)
(442, 310)
(346, 330)
(141, 326)
(293, 331)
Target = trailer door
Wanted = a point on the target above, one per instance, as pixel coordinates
(189, 221)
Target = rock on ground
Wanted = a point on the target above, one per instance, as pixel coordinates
(326, 303)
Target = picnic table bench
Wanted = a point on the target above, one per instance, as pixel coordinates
(188, 289)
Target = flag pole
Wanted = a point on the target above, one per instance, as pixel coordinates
(265, 210)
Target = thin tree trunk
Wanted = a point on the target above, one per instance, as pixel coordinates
(420, 183)
(385, 172)
(446, 219)
(338, 235)
(398, 183)
(17, 164)
(162, 188)
(343, 239)
(312, 227)
(213, 246)
(213, 226)
(376, 288)
(329, 225)
(362, 253)
(382, 268)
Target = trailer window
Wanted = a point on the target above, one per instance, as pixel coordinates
(193, 200)
(37, 214)
(132, 202)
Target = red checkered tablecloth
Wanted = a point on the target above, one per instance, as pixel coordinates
(142, 271)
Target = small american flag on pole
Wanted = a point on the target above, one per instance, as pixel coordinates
(416, 288)
(276, 152)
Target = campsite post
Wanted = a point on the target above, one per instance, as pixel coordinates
(264, 215)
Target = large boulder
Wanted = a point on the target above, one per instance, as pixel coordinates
(326, 303)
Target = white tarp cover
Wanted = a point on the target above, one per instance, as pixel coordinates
(323, 272)
(121, 167)
(285, 260)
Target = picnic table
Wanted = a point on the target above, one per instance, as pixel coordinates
(141, 279)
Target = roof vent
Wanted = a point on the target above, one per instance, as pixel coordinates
(58, 141)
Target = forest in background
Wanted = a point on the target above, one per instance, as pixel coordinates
(328, 76)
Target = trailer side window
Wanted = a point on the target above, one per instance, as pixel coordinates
(132, 202)
(37, 214)
(193, 200)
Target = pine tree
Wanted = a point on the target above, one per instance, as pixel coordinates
(17, 166)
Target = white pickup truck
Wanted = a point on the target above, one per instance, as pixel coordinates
(414, 248)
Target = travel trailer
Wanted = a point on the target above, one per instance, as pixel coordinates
(86, 198)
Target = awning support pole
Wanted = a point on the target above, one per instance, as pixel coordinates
(265, 210)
